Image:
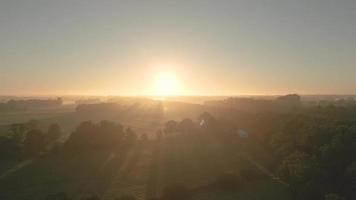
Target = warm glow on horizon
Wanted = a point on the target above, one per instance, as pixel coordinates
(166, 84)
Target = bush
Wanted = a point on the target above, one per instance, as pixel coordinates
(34, 142)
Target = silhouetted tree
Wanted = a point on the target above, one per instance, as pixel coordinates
(170, 126)
(104, 135)
(54, 133)
(17, 132)
(111, 134)
(34, 142)
(207, 121)
(83, 137)
(186, 126)
(32, 124)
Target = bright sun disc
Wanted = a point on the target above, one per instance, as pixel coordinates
(166, 84)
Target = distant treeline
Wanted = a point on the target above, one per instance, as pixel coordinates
(18, 105)
(100, 107)
(282, 103)
(120, 107)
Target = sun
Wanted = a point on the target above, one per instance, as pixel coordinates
(166, 84)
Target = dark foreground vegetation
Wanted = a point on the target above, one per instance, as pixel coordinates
(282, 151)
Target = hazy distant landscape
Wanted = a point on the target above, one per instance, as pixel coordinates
(279, 147)
(177, 100)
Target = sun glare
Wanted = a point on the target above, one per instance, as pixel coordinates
(166, 84)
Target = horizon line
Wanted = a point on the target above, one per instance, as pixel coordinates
(168, 96)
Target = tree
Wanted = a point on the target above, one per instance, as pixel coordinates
(304, 175)
(32, 124)
(207, 121)
(170, 126)
(54, 132)
(17, 132)
(104, 135)
(186, 126)
(111, 134)
(34, 142)
(83, 137)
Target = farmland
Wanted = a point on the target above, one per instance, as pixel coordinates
(152, 149)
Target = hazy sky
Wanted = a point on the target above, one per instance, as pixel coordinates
(212, 46)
